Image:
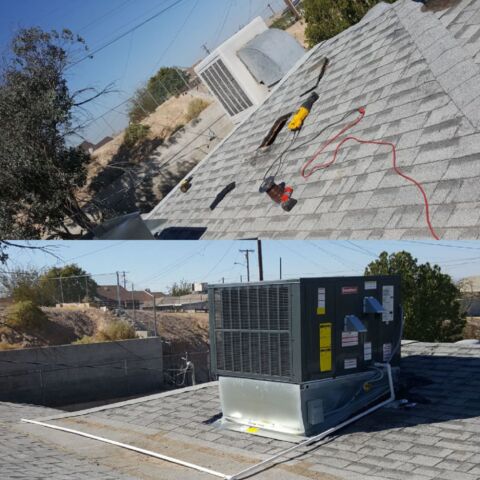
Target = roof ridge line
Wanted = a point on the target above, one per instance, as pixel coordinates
(449, 62)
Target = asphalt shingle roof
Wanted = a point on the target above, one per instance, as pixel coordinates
(418, 74)
(437, 439)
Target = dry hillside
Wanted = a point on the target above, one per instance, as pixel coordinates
(184, 331)
(166, 119)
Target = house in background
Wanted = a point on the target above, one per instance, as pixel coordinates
(102, 142)
(470, 288)
(87, 147)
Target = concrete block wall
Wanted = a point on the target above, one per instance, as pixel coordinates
(70, 374)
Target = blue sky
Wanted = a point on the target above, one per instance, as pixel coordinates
(175, 38)
(158, 264)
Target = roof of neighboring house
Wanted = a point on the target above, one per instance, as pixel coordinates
(86, 146)
(417, 72)
(102, 142)
(109, 292)
(436, 439)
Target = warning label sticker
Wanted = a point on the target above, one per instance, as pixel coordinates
(349, 339)
(321, 309)
(372, 285)
(367, 351)
(350, 363)
(387, 303)
(349, 290)
(387, 352)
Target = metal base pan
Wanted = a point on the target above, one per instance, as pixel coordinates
(223, 424)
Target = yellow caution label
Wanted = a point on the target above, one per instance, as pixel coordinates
(252, 430)
(325, 347)
(320, 310)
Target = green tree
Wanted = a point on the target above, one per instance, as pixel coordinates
(327, 18)
(26, 316)
(166, 82)
(21, 284)
(180, 288)
(430, 299)
(40, 173)
(73, 287)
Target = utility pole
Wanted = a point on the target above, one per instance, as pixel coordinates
(119, 304)
(61, 290)
(86, 287)
(260, 259)
(133, 303)
(125, 287)
(271, 9)
(247, 253)
(206, 49)
(292, 8)
(280, 268)
(223, 279)
(241, 279)
(155, 331)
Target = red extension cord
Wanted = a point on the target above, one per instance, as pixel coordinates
(321, 166)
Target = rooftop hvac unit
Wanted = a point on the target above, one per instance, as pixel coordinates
(241, 70)
(297, 357)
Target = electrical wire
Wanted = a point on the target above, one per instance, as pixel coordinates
(308, 164)
(124, 34)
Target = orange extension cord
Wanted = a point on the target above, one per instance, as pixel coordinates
(307, 174)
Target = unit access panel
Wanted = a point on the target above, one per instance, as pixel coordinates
(348, 324)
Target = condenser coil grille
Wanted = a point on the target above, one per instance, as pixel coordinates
(226, 88)
(253, 330)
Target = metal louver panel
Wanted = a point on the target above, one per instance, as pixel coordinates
(222, 83)
(253, 330)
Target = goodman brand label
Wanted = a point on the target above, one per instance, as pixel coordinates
(387, 352)
(367, 351)
(387, 303)
(349, 290)
(350, 363)
(349, 339)
(321, 310)
(371, 285)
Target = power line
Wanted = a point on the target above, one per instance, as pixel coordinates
(222, 25)
(124, 34)
(101, 17)
(177, 34)
(437, 244)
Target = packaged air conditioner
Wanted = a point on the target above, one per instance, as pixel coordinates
(297, 357)
(241, 71)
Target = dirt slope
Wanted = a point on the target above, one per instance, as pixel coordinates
(168, 117)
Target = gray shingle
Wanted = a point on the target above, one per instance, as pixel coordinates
(421, 88)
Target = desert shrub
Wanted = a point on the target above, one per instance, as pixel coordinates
(120, 330)
(195, 108)
(135, 133)
(113, 331)
(26, 316)
(283, 22)
(177, 128)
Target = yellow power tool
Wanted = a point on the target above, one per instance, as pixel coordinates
(297, 120)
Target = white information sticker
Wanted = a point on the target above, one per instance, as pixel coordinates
(387, 303)
(371, 285)
(367, 351)
(387, 352)
(350, 363)
(321, 309)
(349, 339)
